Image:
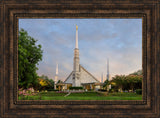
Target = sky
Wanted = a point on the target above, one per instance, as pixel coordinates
(119, 40)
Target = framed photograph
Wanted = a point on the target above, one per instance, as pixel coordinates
(79, 58)
(101, 62)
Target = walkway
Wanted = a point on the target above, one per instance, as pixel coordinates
(67, 94)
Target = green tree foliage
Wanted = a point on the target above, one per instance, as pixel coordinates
(120, 81)
(106, 83)
(51, 84)
(29, 54)
(59, 81)
(129, 82)
(139, 72)
(45, 83)
(134, 81)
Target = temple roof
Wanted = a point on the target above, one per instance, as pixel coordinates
(81, 67)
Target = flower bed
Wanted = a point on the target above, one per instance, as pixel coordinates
(27, 92)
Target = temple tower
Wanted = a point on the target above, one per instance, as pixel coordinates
(56, 77)
(102, 78)
(76, 73)
(108, 69)
(80, 76)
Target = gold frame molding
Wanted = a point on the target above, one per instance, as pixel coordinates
(12, 10)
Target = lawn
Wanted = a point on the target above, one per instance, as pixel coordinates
(51, 95)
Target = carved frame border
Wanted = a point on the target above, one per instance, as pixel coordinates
(12, 10)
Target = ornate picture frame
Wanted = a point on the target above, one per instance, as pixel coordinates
(12, 10)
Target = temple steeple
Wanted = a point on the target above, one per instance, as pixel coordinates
(80, 77)
(76, 45)
(56, 76)
(107, 69)
(57, 69)
(76, 74)
(102, 78)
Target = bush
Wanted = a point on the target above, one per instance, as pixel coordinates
(51, 90)
(139, 91)
(75, 88)
(111, 90)
(103, 90)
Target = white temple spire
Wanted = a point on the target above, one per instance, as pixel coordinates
(57, 69)
(76, 75)
(102, 78)
(107, 69)
(56, 77)
(76, 46)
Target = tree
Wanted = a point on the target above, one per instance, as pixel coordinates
(29, 54)
(59, 81)
(44, 77)
(50, 82)
(134, 81)
(130, 82)
(139, 72)
(43, 82)
(119, 80)
(106, 83)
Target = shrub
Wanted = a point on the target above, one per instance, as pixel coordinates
(103, 90)
(55, 90)
(111, 90)
(52, 90)
(75, 88)
(139, 91)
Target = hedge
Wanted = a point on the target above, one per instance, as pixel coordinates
(103, 90)
(139, 91)
(52, 90)
(76, 88)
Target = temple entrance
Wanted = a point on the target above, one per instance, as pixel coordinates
(88, 86)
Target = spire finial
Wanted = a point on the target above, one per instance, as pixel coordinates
(57, 69)
(76, 27)
(76, 37)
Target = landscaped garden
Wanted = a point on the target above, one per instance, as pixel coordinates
(53, 95)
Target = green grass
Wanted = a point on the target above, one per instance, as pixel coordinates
(52, 93)
(82, 96)
(124, 94)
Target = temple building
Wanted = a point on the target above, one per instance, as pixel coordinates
(80, 76)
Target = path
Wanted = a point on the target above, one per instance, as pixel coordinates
(67, 94)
